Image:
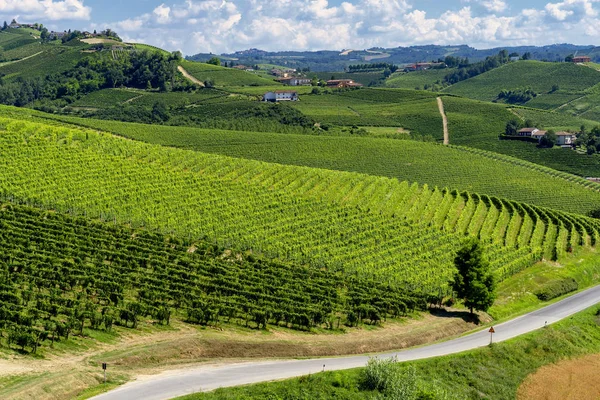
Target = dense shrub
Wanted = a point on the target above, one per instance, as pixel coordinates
(555, 289)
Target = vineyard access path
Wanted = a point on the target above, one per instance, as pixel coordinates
(444, 120)
(189, 76)
(178, 383)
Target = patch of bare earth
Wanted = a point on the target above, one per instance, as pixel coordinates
(138, 354)
(567, 380)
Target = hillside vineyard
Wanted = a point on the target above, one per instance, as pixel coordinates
(400, 232)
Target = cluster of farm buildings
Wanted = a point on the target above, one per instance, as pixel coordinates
(562, 138)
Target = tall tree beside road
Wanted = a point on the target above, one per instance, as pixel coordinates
(473, 281)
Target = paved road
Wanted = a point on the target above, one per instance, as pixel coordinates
(174, 384)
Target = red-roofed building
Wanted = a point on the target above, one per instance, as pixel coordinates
(582, 59)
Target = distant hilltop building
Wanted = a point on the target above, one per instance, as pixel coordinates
(16, 25)
(582, 59)
(421, 66)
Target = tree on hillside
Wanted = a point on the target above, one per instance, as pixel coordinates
(569, 58)
(5, 26)
(512, 127)
(473, 282)
(549, 139)
(214, 61)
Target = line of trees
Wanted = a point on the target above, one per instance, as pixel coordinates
(143, 70)
(466, 70)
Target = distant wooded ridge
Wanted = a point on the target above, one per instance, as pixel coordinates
(336, 60)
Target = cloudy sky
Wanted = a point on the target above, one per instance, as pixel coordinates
(218, 26)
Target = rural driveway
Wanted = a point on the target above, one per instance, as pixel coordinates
(179, 383)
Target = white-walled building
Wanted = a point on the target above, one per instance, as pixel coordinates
(281, 95)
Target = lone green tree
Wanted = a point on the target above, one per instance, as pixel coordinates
(473, 282)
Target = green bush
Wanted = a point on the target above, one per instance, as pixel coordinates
(555, 289)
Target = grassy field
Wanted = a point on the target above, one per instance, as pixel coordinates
(411, 110)
(494, 372)
(108, 98)
(417, 79)
(540, 76)
(587, 107)
(224, 77)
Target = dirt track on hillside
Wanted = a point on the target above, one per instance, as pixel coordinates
(444, 120)
(189, 76)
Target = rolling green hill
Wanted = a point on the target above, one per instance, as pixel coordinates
(479, 124)
(417, 80)
(571, 79)
(31, 58)
(288, 212)
(223, 77)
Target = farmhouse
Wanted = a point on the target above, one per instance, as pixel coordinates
(295, 81)
(565, 138)
(538, 134)
(281, 95)
(343, 83)
(562, 138)
(582, 59)
(529, 132)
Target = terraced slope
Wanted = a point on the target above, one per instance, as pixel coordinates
(356, 223)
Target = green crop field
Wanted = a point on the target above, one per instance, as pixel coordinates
(223, 77)
(411, 110)
(54, 59)
(540, 76)
(587, 107)
(417, 79)
(404, 160)
(107, 98)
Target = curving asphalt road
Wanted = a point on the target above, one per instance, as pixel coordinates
(202, 379)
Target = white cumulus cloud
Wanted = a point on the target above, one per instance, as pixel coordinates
(217, 26)
(46, 9)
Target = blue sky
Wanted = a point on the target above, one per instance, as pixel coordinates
(217, 26)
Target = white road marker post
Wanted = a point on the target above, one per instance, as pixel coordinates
(104, 369)
(492, 331)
